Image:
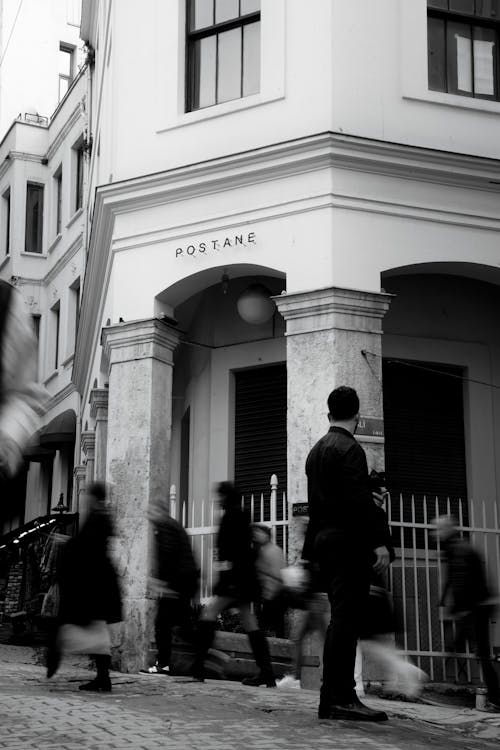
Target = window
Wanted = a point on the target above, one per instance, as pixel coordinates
(36, 327)
(34, 218)
(79, 178)
(6, 220)
(55, 313)
(74, 314)
(462, 45)
(58, 195)
(66, 68)
(223, 51)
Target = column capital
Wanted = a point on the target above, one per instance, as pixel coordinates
(140, 339)
(333, 307)
(87, 441)
(79, 472)
(99, 403)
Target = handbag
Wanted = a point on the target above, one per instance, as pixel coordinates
(93, 638)
(51, 600)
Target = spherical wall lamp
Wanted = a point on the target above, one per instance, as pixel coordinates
(255, 305)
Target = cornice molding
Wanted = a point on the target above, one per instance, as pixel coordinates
(63, 394)
(25, 156)
(322, 151)
(62, 135)
(63, 260)
(99, 398)
(139, 339)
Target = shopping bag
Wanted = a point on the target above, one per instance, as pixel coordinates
(93, 638)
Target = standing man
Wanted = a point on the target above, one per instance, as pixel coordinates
(20, 395)
(345, 540)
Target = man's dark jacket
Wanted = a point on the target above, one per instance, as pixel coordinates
(175, 562)
(339, 494)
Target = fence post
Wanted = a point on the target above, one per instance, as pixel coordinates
(173, 501)
(273, 504)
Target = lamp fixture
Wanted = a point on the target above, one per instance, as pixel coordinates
(255, 305)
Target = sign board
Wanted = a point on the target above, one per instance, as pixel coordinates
(300, 509)
(371, 427)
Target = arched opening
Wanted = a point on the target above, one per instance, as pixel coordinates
(229, 386)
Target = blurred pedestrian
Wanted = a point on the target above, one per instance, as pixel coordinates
(345, 539)
(21, 398)
(467, 598)
(90, 596)
(175, 582)
(377, 628)
(237, 587)
(269, 562)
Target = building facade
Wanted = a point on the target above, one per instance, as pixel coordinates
(326, 160)
(42, 192)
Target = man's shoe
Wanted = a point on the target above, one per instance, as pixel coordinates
(259, 681)
(355, 711)
(156, 669)
(97, 686)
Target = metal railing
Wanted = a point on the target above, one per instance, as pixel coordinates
(416, 580)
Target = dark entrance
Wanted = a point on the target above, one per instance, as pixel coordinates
(260, 429)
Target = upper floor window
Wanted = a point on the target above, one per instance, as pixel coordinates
(79, 177)
(6, 221)
(462, 43)
(34, 218)
(66, 68)
(59, 197)
(223, 51)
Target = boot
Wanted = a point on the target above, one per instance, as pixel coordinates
(204, 639)
(260, 651)
(102, 682)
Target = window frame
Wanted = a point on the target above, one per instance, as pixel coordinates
(471, 20)
(58, 216)
(214, 30)
(6, 221)
(56, 333)
(70, 49)
(41, 187)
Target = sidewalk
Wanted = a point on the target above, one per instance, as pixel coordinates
(150, 712)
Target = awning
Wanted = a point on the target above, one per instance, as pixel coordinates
(60, 430)
(36, 452)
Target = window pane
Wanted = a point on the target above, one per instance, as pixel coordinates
(63, 86)
(436, 54)
(485, 54)
(229, 73)
(488, 8)
(462, 6)
(204, 67)
(65, 62)
(225, 10)
(201, 14)
(251, 6)
(34, 218)
(251, 59)
(459, 59)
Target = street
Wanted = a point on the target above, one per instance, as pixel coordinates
(145, 713)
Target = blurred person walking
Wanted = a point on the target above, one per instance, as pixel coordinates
(269, 562)
(175, 582)
(377, 628)
(344, 539)
(467, 598)
(21, 398)
(237, 587)
(90, 596)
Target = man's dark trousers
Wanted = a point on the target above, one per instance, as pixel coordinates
(345, 572)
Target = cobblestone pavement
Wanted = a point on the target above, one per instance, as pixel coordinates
(147, 713)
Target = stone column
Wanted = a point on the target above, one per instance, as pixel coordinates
(80, 474)
(87, 442)
(99, 412)
(138, 464)
(334, 337)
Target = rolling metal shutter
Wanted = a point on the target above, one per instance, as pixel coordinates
(424, 435)
(260, 429)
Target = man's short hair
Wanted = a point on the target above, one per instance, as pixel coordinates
(343, 403)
